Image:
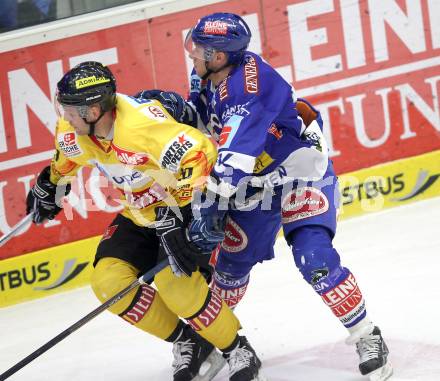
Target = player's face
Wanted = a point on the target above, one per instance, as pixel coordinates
(73, 115)
(199, 66)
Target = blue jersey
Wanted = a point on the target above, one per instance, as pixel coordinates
(253, 116)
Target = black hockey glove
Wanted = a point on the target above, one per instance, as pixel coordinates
(171, 230)
(176, 106)
(44, 198)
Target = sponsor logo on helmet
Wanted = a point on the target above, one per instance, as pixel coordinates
(303, 203)
(174, 151)
(129, 157)
(215, 27)
(251, 76)
(68, 144)
(90, 81)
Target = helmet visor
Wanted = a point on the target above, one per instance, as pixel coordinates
(198, 51)
(69, 112)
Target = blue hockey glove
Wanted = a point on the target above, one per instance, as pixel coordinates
(44, 198)
(207, 229)
(176, 106)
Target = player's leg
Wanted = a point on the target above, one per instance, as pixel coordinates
(209, 316)
(309, 223)
(125, 252)
(249, 239)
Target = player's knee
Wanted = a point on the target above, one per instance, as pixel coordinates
(230, 287)
(184, 295)
(315, 256)
(110, 276)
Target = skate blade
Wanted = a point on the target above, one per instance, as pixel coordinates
(382, 374)
(210, 367)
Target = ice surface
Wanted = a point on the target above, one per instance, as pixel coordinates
(394, 254)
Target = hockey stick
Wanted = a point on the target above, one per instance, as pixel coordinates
(141, 280)
(15, 229)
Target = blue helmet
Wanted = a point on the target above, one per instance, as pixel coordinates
(222, 32)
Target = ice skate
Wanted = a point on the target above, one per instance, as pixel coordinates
(373, 356)
(244, 365)
(195, 359)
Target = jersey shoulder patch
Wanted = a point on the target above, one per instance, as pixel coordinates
(68, 143)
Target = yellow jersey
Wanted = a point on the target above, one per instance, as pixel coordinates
(152, 159)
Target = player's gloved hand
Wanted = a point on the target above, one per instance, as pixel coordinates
(44, 198)
(174, 103)
(207, 229)
(171, 231)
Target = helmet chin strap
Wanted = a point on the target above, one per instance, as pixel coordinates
(93, 124)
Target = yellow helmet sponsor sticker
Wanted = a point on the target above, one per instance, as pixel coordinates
(90, 81)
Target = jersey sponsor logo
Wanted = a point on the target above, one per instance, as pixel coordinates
(109, 232)
(229, 131)
(136, 313)
(215, 27)
(146, 197)
(275, 131)
(235, 110)
(68, 144)
(262, 162)
(235, 238)
(174, 151)
(129, 178)
(90, 81)
(303, 203)
(223, 89)
(185, 173)
(154, 112)
(345, 300)
(130, 157)
(251, 76)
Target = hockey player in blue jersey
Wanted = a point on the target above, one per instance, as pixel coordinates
(272, 171)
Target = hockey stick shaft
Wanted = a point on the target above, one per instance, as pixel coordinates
(141, 280)
(15, 229)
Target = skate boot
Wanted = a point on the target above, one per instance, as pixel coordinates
(190, 352)
(244, 365)
(373, 354)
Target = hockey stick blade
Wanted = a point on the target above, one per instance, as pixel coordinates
(16, 229)
(141, 280)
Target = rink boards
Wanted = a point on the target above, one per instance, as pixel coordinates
(69, 266)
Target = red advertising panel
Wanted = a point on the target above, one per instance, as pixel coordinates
(371, 67)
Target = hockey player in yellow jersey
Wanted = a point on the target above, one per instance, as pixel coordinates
(156, 163)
